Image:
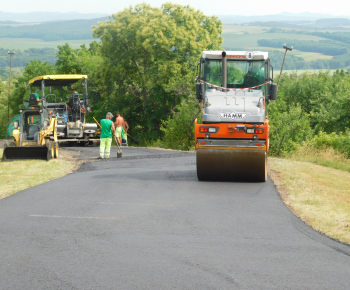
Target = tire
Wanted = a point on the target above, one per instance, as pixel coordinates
(52, 150)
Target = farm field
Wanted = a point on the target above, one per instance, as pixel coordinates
(246, 36)
(236, 37)
(309, 71)
(25, 43)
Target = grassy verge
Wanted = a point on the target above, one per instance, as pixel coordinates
(326, 157)
(318, 194)
(19, 175)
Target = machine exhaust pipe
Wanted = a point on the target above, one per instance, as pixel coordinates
(224, 71)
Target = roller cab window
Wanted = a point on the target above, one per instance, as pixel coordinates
(240, 74)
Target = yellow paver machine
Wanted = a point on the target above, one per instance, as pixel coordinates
(66, 97)
(48, 118)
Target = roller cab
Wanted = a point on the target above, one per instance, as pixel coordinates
(233, 140)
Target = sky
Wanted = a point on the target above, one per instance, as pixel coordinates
(209, 7)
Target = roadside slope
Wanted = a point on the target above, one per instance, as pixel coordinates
(319, 195)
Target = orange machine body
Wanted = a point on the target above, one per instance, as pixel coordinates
(231, 131)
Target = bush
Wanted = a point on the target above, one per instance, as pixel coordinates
(338, 141)
(288, 129)
(178, 134)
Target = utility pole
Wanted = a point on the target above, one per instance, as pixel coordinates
(11, 53)
(286, 48)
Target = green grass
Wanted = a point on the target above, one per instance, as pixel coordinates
(326, 157)
(319, 195)
(22, 174)
(25, 43)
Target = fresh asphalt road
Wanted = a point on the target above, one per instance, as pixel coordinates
(144, 221)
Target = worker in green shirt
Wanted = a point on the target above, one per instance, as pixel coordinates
(107, 132)
(36, 94)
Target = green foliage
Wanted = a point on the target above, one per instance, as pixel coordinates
(325, 47)
(150, 55)
(325, 98)
(291, 61)
(5, 72)
(289, 127)
(21, 89)
(3, 108)
(342, 36)
(20, 58)
(179, 128)
(84, 61)
(338, 141)
(311, 109)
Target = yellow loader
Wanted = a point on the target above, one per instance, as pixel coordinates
(34, 136)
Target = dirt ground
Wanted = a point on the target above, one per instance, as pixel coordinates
(2, 143)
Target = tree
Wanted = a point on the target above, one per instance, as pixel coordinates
(322, 96)
(87, 61)
(3, 108)
(21, 92)
(150, 54)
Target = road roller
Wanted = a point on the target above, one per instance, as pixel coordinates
(232, 142)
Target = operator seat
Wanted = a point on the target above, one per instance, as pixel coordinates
(250, 81)
(33, 101)
(31, 130)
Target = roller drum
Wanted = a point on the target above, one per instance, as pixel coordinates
(232, 164)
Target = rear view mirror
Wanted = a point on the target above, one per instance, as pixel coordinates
(273, 91)
(200, 88)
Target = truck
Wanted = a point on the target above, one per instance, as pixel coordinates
(235, 88)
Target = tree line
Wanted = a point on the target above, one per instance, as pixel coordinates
(311, 109)
(52, 31)
(145, 65)
(324, 47)
(22, 57)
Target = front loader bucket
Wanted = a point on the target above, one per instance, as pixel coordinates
(232, 164)
(26, 152)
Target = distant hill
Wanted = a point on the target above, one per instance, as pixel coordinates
(285, 17)
(36, 17)
(53, 31)
(320, 24)
(8, 22)
(332, 22)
